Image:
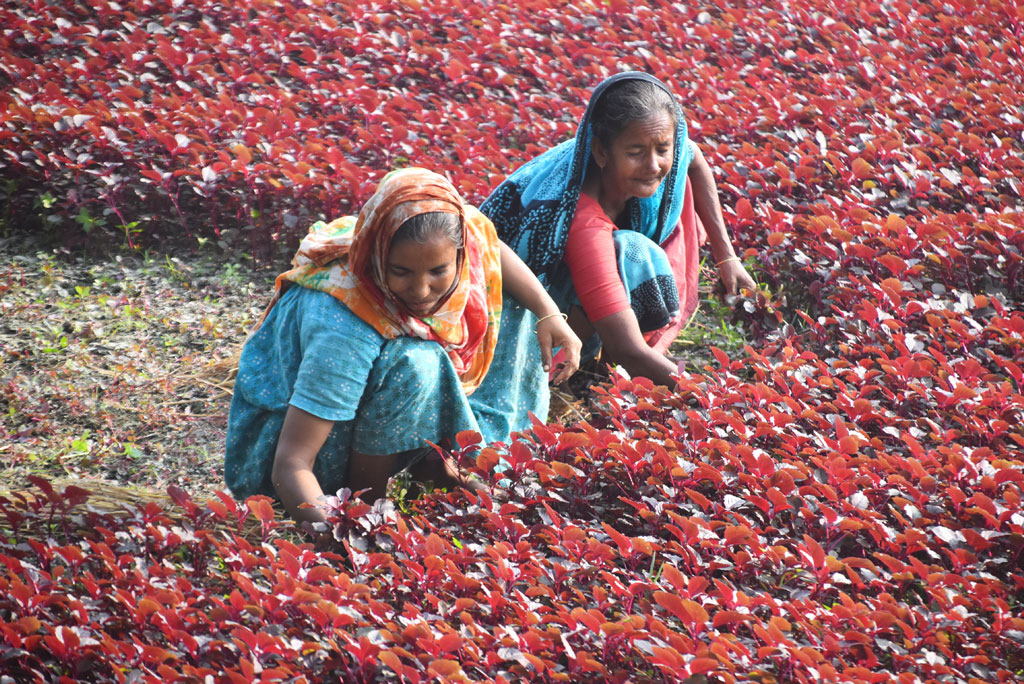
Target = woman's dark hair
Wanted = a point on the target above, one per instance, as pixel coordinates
(628, 101)
(423, 227)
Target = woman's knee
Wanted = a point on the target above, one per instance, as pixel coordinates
(637, 247)
(410, 362)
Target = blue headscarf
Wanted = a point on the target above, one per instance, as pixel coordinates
(533, 208)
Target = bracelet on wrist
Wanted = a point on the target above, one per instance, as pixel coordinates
(727, 260)
(544, 318)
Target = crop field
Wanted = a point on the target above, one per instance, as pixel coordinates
(837, 499)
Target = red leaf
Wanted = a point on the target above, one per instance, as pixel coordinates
(1008, 474)
(689, 612)
(728, 617)
(468, 438)
(674, 577)
(737, 535)
(699, 499)
(45, 486)
(260, 507)
(744, 210)
(893, 263)
(815, 553)
(621, 540)
(861, 169)
(242, 152)
(701, 665)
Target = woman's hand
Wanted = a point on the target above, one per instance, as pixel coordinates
(554, 332)
(623, 344)
(301, 437)
(734, 276)
(709, 210)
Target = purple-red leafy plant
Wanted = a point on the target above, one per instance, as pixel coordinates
(842, 502)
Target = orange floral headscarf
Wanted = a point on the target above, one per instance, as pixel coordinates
(347, 258)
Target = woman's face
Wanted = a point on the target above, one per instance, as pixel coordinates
(419, 274)
(639, 158)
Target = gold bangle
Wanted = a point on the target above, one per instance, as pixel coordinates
(726, 260)
(544, 318)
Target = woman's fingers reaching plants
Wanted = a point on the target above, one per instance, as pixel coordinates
(735, 277)
(552, 333)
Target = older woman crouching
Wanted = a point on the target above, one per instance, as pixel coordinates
(612, 221)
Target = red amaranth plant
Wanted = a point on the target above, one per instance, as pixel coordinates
(840, 503)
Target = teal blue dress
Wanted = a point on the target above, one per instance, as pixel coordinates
(384, 396)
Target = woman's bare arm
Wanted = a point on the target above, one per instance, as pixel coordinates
(708, 208)
(302, 436)
(552, 332)
(625, 345)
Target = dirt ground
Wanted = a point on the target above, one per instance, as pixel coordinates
(118, 370)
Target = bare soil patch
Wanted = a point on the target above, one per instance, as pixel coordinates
(119, 370)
